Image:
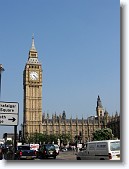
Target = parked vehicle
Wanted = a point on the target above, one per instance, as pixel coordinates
(46, 151)
(1, 153)
(24, 152)
(64, 149)
(57, 148)
(34, 147)
(100, 150)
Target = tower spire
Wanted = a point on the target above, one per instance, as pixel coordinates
(99, 108)
(33, 54)
(99, 104)
(33, 45)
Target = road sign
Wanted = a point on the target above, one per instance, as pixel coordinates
(9, 113)
(7, 107)
(8, 119)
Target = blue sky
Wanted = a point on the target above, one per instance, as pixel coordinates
(78, 44)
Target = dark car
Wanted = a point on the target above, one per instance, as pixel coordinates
(1, 153)
(46, 151)
(24, 152)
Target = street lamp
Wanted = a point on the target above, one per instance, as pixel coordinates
(36, 136)
(1, 70)
(26, 137)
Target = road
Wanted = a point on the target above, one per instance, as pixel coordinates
(67, 155)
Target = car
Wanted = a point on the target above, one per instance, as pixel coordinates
(57, 148)
(64, 149)
(100, 150)
(47, 151)
(24, 152)
(1, 153)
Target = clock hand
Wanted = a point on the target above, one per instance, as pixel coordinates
(35, 76)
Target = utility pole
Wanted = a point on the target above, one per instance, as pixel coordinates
(15, 141)
(1, 70)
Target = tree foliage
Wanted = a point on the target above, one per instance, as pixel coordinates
(9, 142)
(103, 134)
(49, 138)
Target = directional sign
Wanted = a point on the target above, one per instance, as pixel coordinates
(9, 113)
(8, 119)
(7, 107)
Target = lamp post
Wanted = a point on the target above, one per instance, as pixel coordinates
(36, 136)
(1, 70)
(26, 137)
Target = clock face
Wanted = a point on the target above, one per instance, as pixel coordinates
(33, 75)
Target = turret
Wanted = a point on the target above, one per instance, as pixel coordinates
(99, 108)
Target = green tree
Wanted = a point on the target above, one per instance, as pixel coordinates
(45, 138)
(65, 138)
(9, 142)
(103, 134)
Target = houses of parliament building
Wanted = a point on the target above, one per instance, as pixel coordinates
(35, 121)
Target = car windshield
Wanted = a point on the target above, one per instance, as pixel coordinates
(115, 146)
(23, 147)
(50, 147)
(56, 146)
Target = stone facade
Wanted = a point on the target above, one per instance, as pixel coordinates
(35, 122)
(81, 127)
(32, 85)
(114, 124)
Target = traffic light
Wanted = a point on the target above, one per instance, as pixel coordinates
(20, 135)
(5, 135)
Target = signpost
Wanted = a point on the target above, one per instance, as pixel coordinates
(9, 117)
(9, 113)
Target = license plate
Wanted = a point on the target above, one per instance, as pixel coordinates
(118, 156)
(50, 152)
(29, 157)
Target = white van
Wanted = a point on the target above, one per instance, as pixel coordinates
(100, 150)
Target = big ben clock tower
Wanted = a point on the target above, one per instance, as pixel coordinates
(32, 85)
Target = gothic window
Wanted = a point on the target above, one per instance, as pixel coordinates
(57, 128)
(63, 128)
(100, 113)
(68, 128)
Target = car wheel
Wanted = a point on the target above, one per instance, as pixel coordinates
(54, 157)
(78, 158)
(42, 157)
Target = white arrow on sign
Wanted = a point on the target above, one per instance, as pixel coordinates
(9, 119)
